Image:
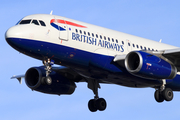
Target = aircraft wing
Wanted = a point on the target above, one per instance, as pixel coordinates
(174, 56)
(120, 59)
(68, 73)
(171, 55)
(18, 77)
(65, 71)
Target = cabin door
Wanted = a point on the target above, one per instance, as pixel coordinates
(63, 30)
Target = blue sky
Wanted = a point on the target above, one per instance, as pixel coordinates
(149, 19)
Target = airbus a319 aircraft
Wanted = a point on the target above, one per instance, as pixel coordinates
(92, 54)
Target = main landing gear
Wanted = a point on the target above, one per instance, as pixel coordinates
(163, 93)
(96, 103)
(48, 66)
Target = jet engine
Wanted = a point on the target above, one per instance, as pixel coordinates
(149, 66)
(35, 80)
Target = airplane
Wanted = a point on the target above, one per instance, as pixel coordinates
(88, 53)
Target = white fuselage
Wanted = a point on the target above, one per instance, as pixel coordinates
(119, 43)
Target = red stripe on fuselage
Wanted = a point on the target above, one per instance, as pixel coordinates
(67, 22)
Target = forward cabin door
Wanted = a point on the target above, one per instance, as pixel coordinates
(63, 30)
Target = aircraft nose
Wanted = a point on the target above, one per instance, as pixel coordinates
(12, 35)
(12, 32)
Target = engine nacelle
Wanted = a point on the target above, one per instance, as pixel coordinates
(149, 66)
(35, 76)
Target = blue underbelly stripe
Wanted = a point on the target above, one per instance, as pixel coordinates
(36, 48)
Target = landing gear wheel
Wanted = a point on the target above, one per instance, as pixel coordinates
(48, 80)
(92, 105)
(101, 104)
(158, 96)
(96, 103)
(168, 94)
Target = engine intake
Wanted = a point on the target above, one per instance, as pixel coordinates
(35, 76)
(149, 66)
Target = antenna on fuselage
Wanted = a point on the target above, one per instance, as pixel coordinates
(160, 40)
(51, 12)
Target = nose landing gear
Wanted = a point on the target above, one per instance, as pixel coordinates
(48, 66)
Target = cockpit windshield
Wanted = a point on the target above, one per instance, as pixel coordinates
(35, 22)
(25, 22)
(42, 23)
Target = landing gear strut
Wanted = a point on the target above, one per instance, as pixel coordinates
(163, 93)
(96, 103)
(48, 63)
(48, 66)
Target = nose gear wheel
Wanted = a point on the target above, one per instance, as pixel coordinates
(48, 66)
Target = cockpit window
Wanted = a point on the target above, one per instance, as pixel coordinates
(35, 22)
(18, 22)
(42, 23)
(25, 22)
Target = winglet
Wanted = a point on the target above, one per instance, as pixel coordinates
(20, 80)
(18, 77)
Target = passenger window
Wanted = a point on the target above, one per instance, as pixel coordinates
(152, 49)
(76, 30)
(42, 23)
(141, 47)
(112, 40)
(144, 48)
(88, 33)
(133, 45)
(137, 46)
(108, 38)
(92, 34)
(80, 31)
(100, 36)
(116, 41)
(148, 48)
(104, 37)
(35, 22)
(25, 22)
(123, 42)
(129, 44)
(96, 36)
(84, 32)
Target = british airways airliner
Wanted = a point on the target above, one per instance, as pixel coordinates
(92, 54)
